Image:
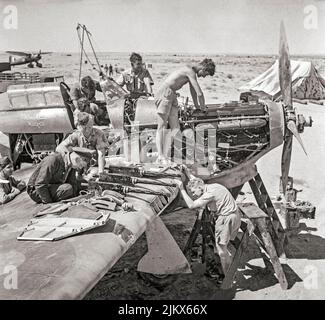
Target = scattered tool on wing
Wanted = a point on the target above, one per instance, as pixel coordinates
(103, 204)
(107, 201)
(56, 208)
(59, 207)
(83, 196)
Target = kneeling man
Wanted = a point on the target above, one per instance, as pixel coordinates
(55, 177)
(10, 187)
(223, 206)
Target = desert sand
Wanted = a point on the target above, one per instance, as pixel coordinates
(305, 264)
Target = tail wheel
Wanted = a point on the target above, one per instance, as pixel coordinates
(159, 281)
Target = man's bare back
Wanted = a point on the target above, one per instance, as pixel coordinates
(177, 79)
(166, 98)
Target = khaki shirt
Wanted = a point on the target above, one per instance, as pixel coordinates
(220, 199)
(134, 82)
(96, 141)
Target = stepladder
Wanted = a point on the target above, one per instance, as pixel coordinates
(267, 231)
(265, 241)
(203, 236)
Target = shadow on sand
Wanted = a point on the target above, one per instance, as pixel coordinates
(300, 245)
(305, 245)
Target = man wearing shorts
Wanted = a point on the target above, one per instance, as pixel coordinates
(222, 205)
(166, 98)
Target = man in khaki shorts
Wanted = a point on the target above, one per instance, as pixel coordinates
(166, 99)
(222, 205)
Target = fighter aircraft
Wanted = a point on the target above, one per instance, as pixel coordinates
(26, 58)
(227, 139)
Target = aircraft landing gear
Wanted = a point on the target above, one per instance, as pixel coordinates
(156, 280)
(39, 65)
(30, 65)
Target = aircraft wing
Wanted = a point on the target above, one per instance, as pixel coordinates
(69, 268)
(19, 53)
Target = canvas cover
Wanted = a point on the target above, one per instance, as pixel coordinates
(306, 82)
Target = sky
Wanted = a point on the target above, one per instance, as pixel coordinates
(188, 26)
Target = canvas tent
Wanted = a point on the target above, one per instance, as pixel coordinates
(306, 82)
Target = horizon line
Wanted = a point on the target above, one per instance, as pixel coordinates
(177, 52)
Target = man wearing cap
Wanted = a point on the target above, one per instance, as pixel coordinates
(55, 179)
(10, 187)
(86, 136)
(137, 79)
(83, 96)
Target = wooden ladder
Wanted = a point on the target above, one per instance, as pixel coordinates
(204, 226)
(264, 240)
(265, 204)
(268, 232)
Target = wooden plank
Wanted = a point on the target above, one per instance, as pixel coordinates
(235, 191)
(251, 211)
(279, 234)
(230, 274)
(269, 247)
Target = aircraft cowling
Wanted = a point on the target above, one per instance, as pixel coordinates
(146, 112)
(34, 108)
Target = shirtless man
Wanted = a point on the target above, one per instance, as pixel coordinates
(166, 98)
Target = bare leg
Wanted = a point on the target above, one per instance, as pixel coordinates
(162, 125)
(224, 256)
(174, 124)
(174, 127)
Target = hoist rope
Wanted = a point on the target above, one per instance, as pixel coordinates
(81, 40)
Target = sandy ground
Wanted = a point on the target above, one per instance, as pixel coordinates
(305, 264)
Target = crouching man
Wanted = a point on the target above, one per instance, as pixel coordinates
(55, 177)
(10, 187)
(222, 205)
(86, 136)
(83, 97)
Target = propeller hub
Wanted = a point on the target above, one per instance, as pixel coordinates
(299, 119)
(302, 122)
(291, 115)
